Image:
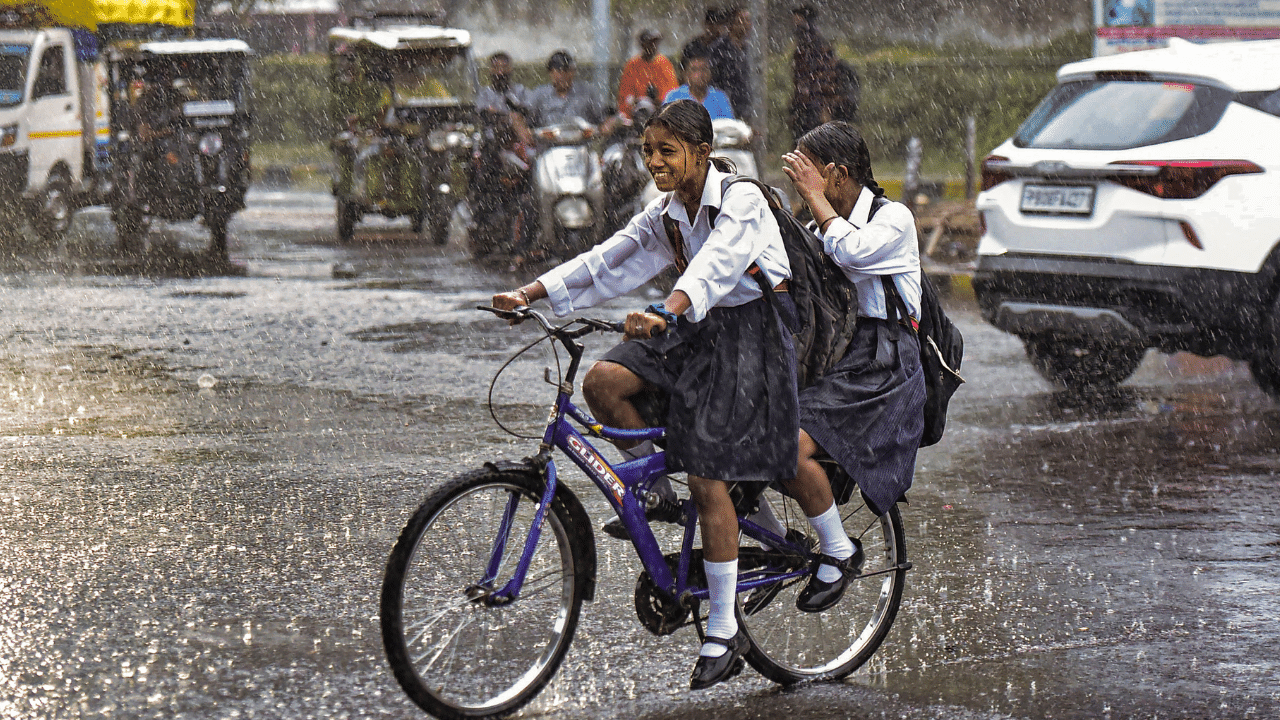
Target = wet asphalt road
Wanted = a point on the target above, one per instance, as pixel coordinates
(169, 550)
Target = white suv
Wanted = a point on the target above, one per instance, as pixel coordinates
(1138, 207)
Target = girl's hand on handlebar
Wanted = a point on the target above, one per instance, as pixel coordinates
(509, 301)
(641, 325)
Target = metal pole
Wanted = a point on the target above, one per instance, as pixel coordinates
(759, 77)
(970, 154)
(602, 28)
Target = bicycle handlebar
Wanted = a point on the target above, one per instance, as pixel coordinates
(524, 312)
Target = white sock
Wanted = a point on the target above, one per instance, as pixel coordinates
(834, 541)
(765, 518)
(722, 585)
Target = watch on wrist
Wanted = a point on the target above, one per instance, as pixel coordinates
(662, 312)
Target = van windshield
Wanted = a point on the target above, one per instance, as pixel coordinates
(13, 73)
(1121, 114)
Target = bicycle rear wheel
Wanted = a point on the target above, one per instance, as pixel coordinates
(789, 646)
(454, 654)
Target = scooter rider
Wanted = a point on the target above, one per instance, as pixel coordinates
(562, 99)
(500, 95)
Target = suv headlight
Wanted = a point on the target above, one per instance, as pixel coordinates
(8, 135)
(573, 212)
(210, 144)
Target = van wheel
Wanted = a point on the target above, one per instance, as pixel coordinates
(1081, 363)
(52, 218)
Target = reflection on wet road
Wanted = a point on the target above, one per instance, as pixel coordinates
(172, 550)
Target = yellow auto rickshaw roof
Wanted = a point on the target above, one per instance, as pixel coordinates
(404, 37)
(88, 14)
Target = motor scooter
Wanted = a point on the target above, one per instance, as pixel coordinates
(625, 174)
(499, 197)
(569, 188)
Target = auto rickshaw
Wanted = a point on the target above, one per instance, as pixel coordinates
(405, 96)
(180, 135)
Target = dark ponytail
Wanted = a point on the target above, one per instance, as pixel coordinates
(689, 121)
(840, 143)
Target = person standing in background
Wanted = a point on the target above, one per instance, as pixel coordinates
(645, 75)
(814, 74)
(731, 64)
(712, 28)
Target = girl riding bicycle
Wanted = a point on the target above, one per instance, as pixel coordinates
(708, 346)
(867, 413)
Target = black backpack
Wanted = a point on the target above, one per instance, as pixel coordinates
(941, 351)
(826, 302)
(827, 308)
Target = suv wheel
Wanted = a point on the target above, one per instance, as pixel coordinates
(1265, 363)
(1081, 363)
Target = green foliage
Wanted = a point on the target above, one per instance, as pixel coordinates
(290, 95)
(928, 91)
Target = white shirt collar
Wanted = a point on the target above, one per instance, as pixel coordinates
(861, 214)
(711, 196)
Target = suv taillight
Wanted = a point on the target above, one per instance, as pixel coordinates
(1183, 179)
(992, 174)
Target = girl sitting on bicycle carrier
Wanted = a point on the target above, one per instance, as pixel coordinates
(733, 402)
(868, 412)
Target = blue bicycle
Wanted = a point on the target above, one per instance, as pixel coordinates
(485, 585)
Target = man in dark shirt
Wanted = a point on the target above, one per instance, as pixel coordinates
(712, 29)
(731, 64)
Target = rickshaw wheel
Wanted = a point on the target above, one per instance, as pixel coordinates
(130, 228)
(346, 221)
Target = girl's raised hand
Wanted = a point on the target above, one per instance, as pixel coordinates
(809, 181)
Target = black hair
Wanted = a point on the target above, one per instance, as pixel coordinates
(714, 16)
(500, 55)
(840, 143)
(690, 122)
(808, 12)
(560, 60)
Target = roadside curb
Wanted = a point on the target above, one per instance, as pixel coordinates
(951, 280)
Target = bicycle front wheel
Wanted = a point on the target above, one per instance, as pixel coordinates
(456, 654)
(789, 646)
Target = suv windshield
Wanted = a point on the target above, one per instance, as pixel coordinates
(13, 73)
(1120, 114)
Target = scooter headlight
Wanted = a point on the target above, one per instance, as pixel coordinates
(437, 140)
(210, 144)
(8, 135)
(574, 213)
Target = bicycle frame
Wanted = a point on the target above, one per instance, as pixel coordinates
(622, 485)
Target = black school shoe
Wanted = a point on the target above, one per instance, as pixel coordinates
(667, 513)
(709, 671)
(819, 595)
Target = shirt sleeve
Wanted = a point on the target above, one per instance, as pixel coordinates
(885, 246)
(624, 262)
(743, 230)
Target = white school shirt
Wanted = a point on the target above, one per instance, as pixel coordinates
(866, 250)
(745, 232)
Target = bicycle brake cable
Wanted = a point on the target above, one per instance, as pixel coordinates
(493, 383)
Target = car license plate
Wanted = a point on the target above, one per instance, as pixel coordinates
(1058, 199)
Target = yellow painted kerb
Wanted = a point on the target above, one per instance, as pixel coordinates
(53, 134)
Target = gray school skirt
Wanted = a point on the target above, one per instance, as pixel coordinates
(868, 412)
(731, 384)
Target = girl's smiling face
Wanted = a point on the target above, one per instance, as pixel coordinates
(671, 161)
